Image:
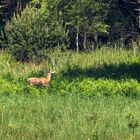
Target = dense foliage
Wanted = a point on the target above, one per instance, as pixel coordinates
(80, 25)
(30, 36)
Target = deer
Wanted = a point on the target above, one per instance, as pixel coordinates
(44, 81)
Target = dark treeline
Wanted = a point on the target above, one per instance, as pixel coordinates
(10, 7)
(80, 24)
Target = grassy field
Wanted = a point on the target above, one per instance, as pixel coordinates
(92, 96)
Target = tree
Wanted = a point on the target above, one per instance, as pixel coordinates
(122, 19)
(84, 17)
(34, 32)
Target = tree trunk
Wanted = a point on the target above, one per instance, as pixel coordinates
(85, 41)
(77, 39)
(95, 39)
(138, 19)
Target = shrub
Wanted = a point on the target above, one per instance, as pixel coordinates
(30, 35)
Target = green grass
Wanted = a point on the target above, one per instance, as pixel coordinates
(70, 117)
(92, 96)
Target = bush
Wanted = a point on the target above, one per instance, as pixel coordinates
(30, 35)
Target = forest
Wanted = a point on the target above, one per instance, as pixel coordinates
(77, 25)
(69, 69)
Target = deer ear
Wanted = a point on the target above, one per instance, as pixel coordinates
(53, 71)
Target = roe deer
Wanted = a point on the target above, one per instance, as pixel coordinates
(41, 81)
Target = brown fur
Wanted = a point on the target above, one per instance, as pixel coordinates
(40, 81)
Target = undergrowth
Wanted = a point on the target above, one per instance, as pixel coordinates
(93, 96)
(104, 72)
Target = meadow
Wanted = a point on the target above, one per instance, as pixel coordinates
(92, 96)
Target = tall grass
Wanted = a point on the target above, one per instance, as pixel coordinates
(71, 117)
(92, 96)
(105, 71)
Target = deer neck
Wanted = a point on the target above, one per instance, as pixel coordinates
(49, 76)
